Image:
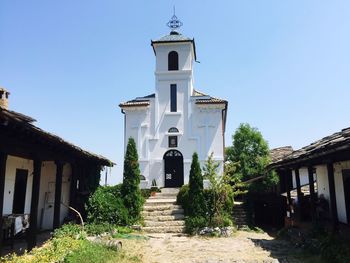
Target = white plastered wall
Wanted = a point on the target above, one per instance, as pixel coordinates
(47, 189)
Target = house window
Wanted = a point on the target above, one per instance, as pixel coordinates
(173, 98)
(173, 61)
(172, 141)
(173, 130)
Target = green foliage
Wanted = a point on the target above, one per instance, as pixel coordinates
(146, 193)
(250, 152)
(106, 206)
(238, 187)
(182, 198)
(218, 200)
(193, 224)
(196, 203)
(90, 252)
(130, 190)
(335, 249)
(219, 197)
(68, 230)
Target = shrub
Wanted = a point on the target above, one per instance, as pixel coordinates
(335, 249)
(106, 206)
(130, 189)
(193, 224)
(68, 230)
(182, 197)
(219, 196)
(146, 193)
(196, 203)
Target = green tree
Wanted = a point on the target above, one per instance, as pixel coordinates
(250, 151)
(130, 190)
(219, 197)
(196, 203)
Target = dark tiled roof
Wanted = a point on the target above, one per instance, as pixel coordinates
(206, 99)
(18, 116)
(327, 145)
(138, 102)
(279, 153)
(24, 123)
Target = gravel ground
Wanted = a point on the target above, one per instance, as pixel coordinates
(243, 247)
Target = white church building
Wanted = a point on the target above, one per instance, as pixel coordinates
(177, 120)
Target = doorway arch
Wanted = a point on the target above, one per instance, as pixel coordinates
(173, 169)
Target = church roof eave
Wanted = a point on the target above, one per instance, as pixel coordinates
(164, 41)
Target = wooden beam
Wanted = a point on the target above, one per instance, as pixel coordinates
(33, 221)
(58, 195)
(287, 177)
(310, 170)
(73, 185)
(3, 161)
(299, 194)
(332, 196)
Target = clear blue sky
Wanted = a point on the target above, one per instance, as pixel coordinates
(284, 66)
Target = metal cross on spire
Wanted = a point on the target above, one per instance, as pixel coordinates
(174, 22)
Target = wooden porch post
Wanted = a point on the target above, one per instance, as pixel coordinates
(287, 177)
(332, 196)
(58, 195)
(3, 160)
(73, 185)
(299, 194)
(33, 221)
(312, 191)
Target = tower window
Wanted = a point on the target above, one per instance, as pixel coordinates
(173, 130)
(172, 141)
(173, 98)
(173, 60)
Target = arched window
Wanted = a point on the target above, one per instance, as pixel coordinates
(173, 61)
(173, 130)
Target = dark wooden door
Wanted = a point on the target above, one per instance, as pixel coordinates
(19, 195)
(173, 169)
(346, 181)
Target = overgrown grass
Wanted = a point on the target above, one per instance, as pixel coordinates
(90, 252)
(69, 244)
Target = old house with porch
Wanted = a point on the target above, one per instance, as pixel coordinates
(40, 176)
(326, 165)
(177, 119)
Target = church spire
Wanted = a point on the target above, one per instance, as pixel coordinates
(174, 23)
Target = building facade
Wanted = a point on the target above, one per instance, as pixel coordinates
(177, 120)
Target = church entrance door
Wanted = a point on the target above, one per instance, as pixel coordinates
(173, 169)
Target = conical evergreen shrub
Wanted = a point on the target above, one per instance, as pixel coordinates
(130, 190)
(196, 202)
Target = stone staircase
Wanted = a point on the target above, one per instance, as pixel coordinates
(240, 215)
(161, 213)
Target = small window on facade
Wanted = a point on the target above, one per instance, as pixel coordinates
(173, 98)
(172, 141)
(173, 130)
(173, 61)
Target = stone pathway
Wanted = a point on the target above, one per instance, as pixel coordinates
(244, 247)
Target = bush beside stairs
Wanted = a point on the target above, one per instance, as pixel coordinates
(161, 214)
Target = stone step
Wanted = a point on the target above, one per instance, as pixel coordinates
(162, 218)
(170, 190)
(164, 224)
(172, 229)
(171, 207)
(163, 212)
(152, 202)
(163, 196)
